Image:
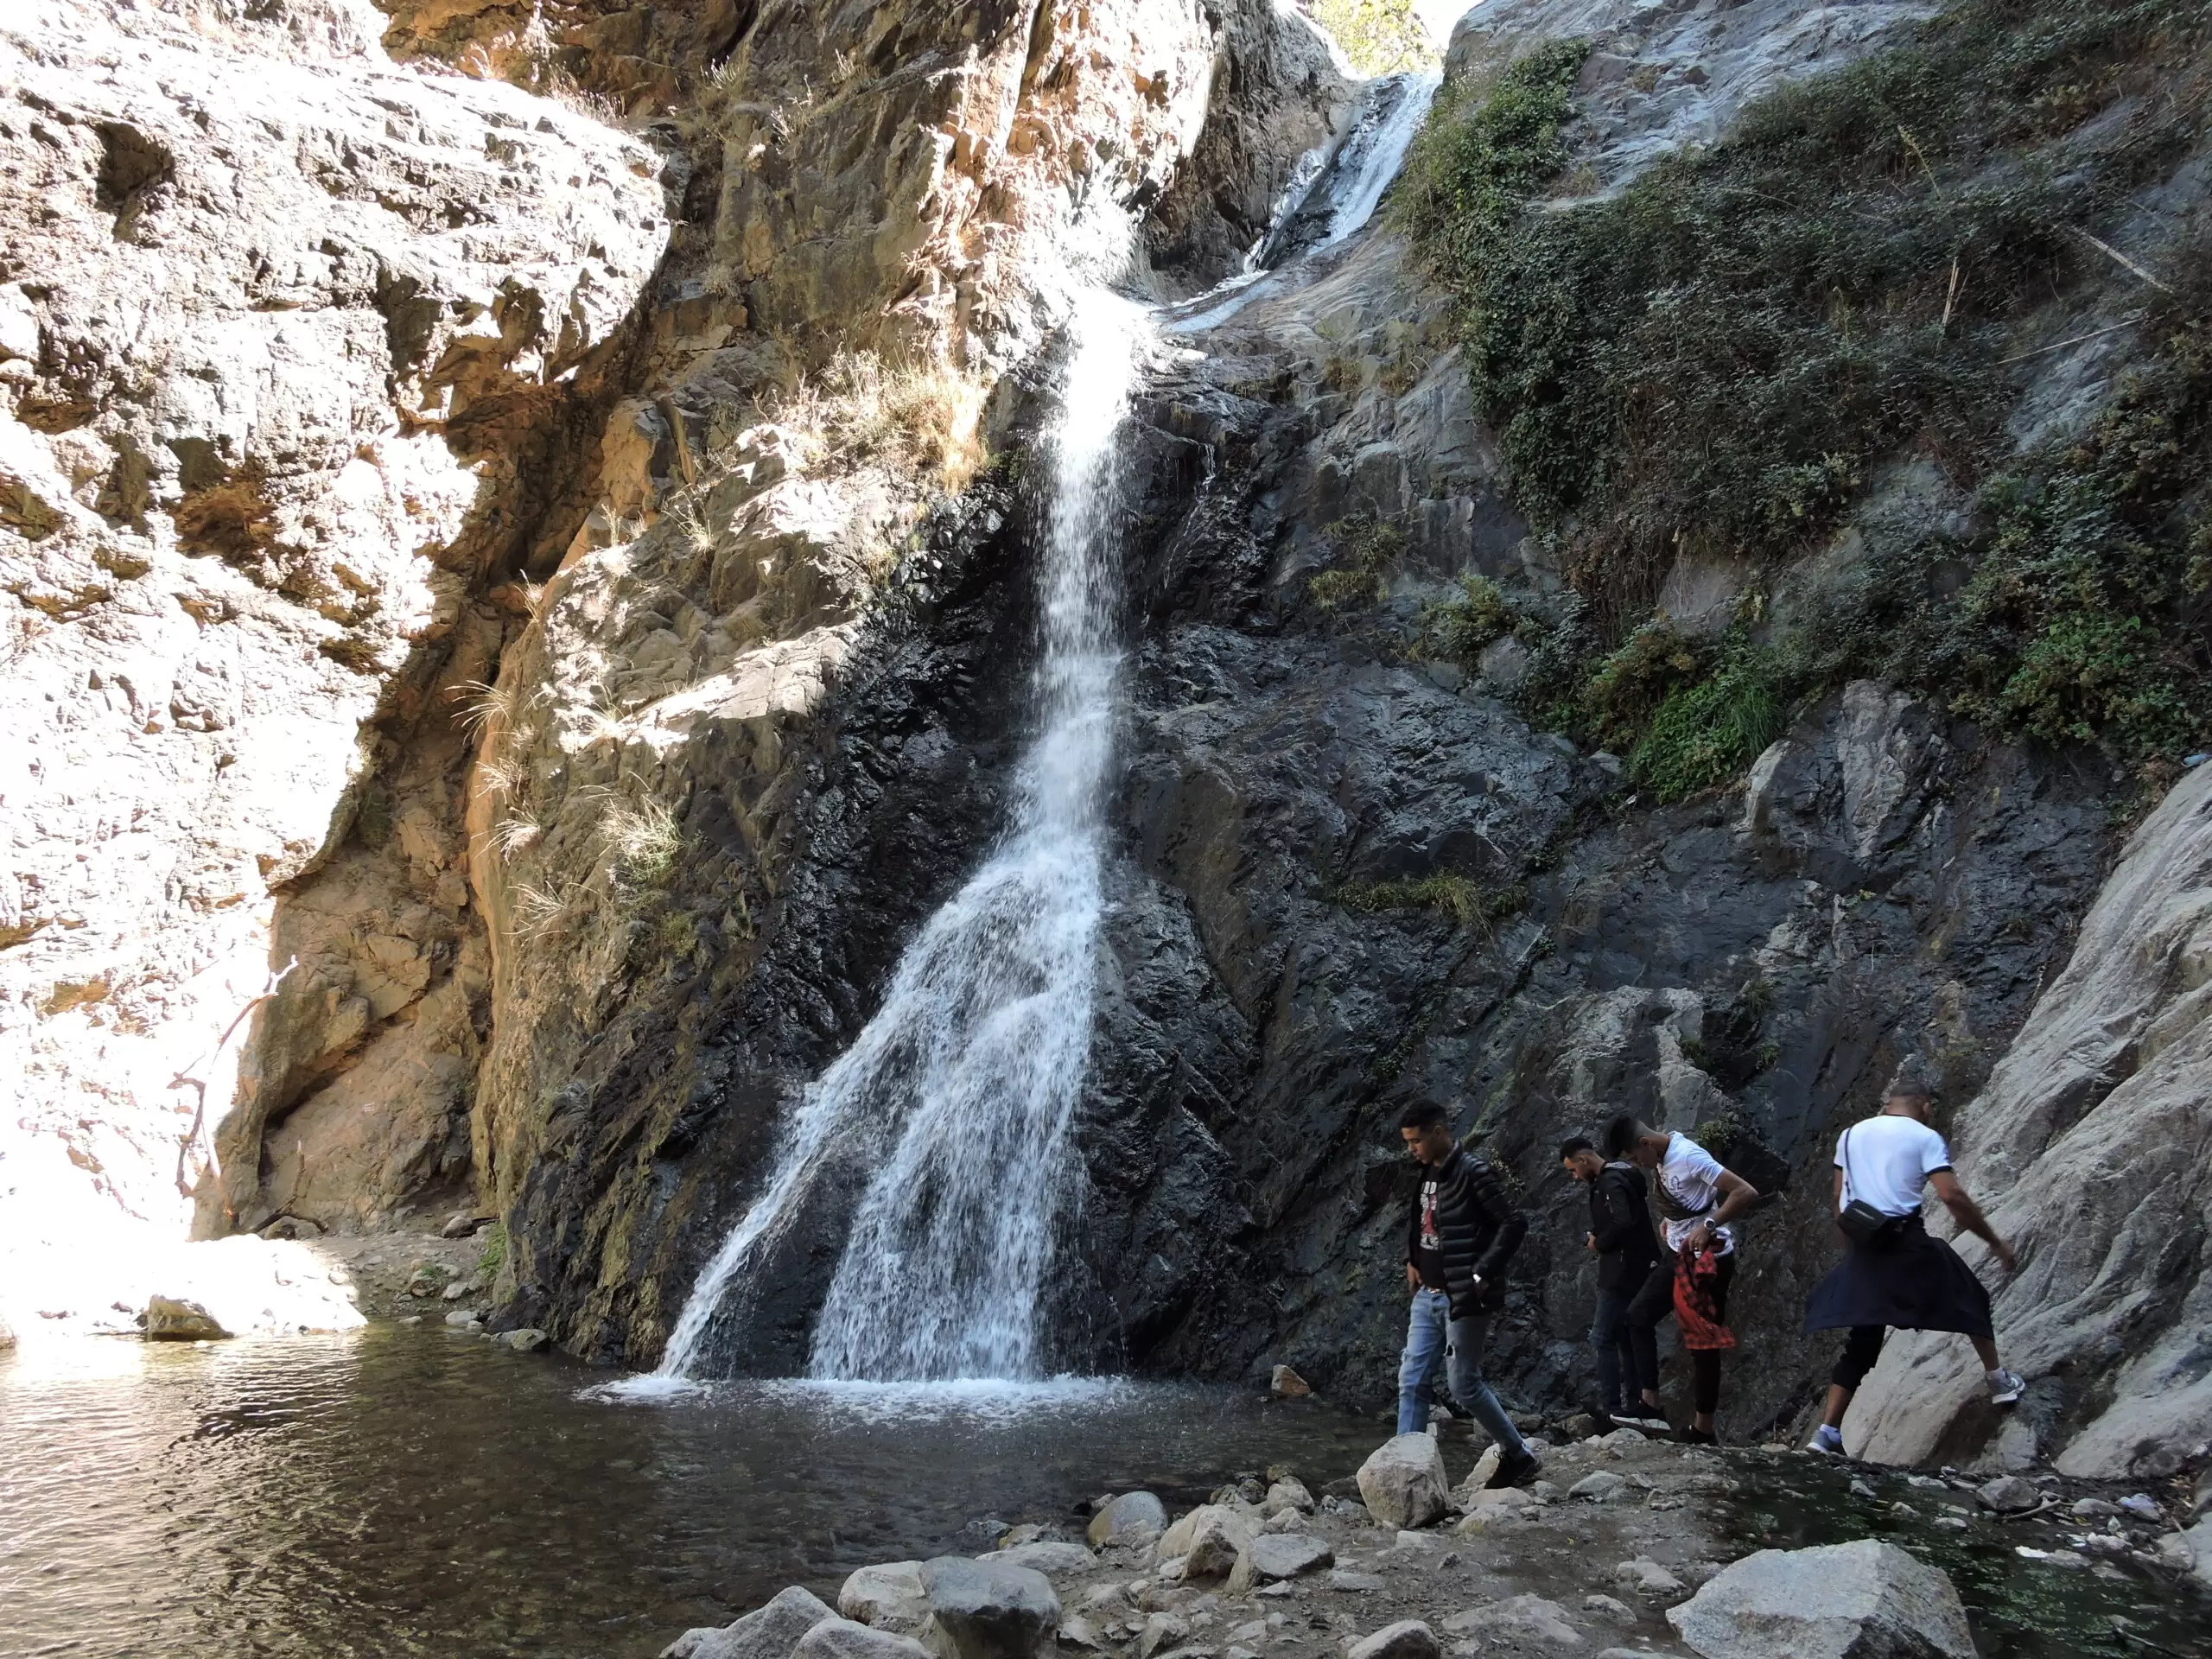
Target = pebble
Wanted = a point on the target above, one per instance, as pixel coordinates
(1344, 1577)
(1611, 1608)
(2142, 1504)
(1603, 1487)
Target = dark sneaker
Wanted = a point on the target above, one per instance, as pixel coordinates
(1514, 1467)
(1693, 1435)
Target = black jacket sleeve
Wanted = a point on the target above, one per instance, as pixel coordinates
(1510, 1226)
(1613, 1218)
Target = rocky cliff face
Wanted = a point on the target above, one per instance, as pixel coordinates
(297, 352)
(621, 546)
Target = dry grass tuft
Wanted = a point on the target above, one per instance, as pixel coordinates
(923, 420)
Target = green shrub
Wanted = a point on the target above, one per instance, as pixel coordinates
(1456, 630)
(1367, 547)
(1708, 730)
(1379, 37)
(1463, 900)
(493, 1254)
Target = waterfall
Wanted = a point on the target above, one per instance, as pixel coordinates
(960, 1093)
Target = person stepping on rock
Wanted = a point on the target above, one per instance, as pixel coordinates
(1627, 1249)
(1461, 1233)
(1695, 1199)
(1894, 1274)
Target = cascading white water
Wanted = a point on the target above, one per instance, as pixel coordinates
(961, 1091)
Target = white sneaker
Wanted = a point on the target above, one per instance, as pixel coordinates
(1828, 1442)
(2005, 1387)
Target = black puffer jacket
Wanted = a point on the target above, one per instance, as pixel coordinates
(1479, 1229)
(1620, 1220)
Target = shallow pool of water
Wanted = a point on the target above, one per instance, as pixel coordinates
(404, 1490)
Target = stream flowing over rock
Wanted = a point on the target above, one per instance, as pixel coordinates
(522, 530)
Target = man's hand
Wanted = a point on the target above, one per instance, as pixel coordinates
(1413, 1277)
(1700, 1237)
(1589, 1241)
(2005, 1255)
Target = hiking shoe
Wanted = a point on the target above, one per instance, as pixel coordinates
(1828, 1442)
(1693, 1435)
(2005, 1387)
(1646, 1421)
(1514, 1467)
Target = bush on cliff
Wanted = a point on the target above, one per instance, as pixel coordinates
(1714, 360)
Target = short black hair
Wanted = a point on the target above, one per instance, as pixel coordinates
(1568, 1148)
(1621, 1134)
(1422, 1114)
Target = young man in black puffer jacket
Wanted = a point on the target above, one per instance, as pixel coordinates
(1627, 1248)
(1463, 1230)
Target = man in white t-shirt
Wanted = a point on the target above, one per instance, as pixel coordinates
(1902, 1277)
(1694, 1199)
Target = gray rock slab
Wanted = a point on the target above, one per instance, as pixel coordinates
(846, 1638)
(987, 1609)
(1054, 1561)
(1276, 1555)
(1867, 1599)
(768, 1632)
(1131, 1518)
(888, 1596)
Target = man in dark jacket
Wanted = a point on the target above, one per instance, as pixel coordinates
(1627, 1249)
(1462, 1232)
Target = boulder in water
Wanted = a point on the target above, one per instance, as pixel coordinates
(1273, 1555)
(1132, 1518)
(769, 1632)
(987, 1609)
(889, 1597)
(1208, 1540)
(845, 1638)
(1286, 1384)
(1863, 1600)
(168, 1319)
(1402, 1482)
(1409, 1639)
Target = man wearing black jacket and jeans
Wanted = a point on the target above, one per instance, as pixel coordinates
(1462, 1232)
(1621, 1233)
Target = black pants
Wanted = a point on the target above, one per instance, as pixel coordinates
(1656, 1300)
(1859, 1354)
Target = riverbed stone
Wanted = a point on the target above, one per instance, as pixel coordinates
(1533, 1618)
(1867, 1599)
(1273, 1555)
(528, 1341)
(1602, 1487)
(1130, 1518)
(1402, 1482)
(1054, 1560)
(888, 1596)
(2009, 1495)
(1286, 1384)
(1208, 1540)
(1647, 1575)
(987, 1610)
(846, 1638)
(768, 1632)
(1287, 1492)
(1409, 1639)
(169, 1319)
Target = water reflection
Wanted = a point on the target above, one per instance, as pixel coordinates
(400, 1491)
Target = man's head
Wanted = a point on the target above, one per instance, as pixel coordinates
(1426, 1129)
(1580, 1159)
(1630, 1137)
(1911, 1092)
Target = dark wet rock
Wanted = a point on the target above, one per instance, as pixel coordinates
(167, 1319)
(987, 1609)
(1865, 1600)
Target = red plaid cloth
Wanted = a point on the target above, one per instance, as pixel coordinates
(1697, 1309)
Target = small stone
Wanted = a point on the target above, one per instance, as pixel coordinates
(1209, 1540)
(1469, 1623)
(1286, 1384)
(1053, 1559)
(1581, 1427)
(460, 1319)
(462, 1224)
(1537, 1619)
(2143, 1505)
(1621, 1438)
(1478, 1477)
(2095, 1509)
(1402, 1482)
(1287, 1492)
(1544, 1491)
(1647, 1575)
(1610, 1608)
(1409, 1639)
(1077, 1632)
(168, 1319)
(528, 1341)
(768, 1632)
(1162, 1631)
(1271, 1556)
(1603, 1487)
(461, 1288)
(1131, 1518)
(2009, 1495)
(1284, 1519)
(1860, 1489)
(1363, 1584)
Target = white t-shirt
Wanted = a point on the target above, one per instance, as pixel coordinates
(1890, 1160)
(1693, 1175)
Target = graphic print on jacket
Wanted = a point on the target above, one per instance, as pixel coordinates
(1477, 1230)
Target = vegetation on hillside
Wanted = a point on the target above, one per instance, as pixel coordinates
(1716, 358)
(1379, 37)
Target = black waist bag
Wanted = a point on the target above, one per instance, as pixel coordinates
(1863, 1224)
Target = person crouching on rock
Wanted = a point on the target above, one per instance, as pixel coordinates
(1695, 1199)
(1627, 1249)
(1894, 1273)
(1461, 1233)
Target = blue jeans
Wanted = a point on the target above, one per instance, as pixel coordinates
(1627, 1353)
(1432, 1334)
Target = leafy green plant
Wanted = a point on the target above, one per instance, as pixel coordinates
(1367, 547)
(493, 1254)
(1456, 630)
(1708, 730)
(1379, 37)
